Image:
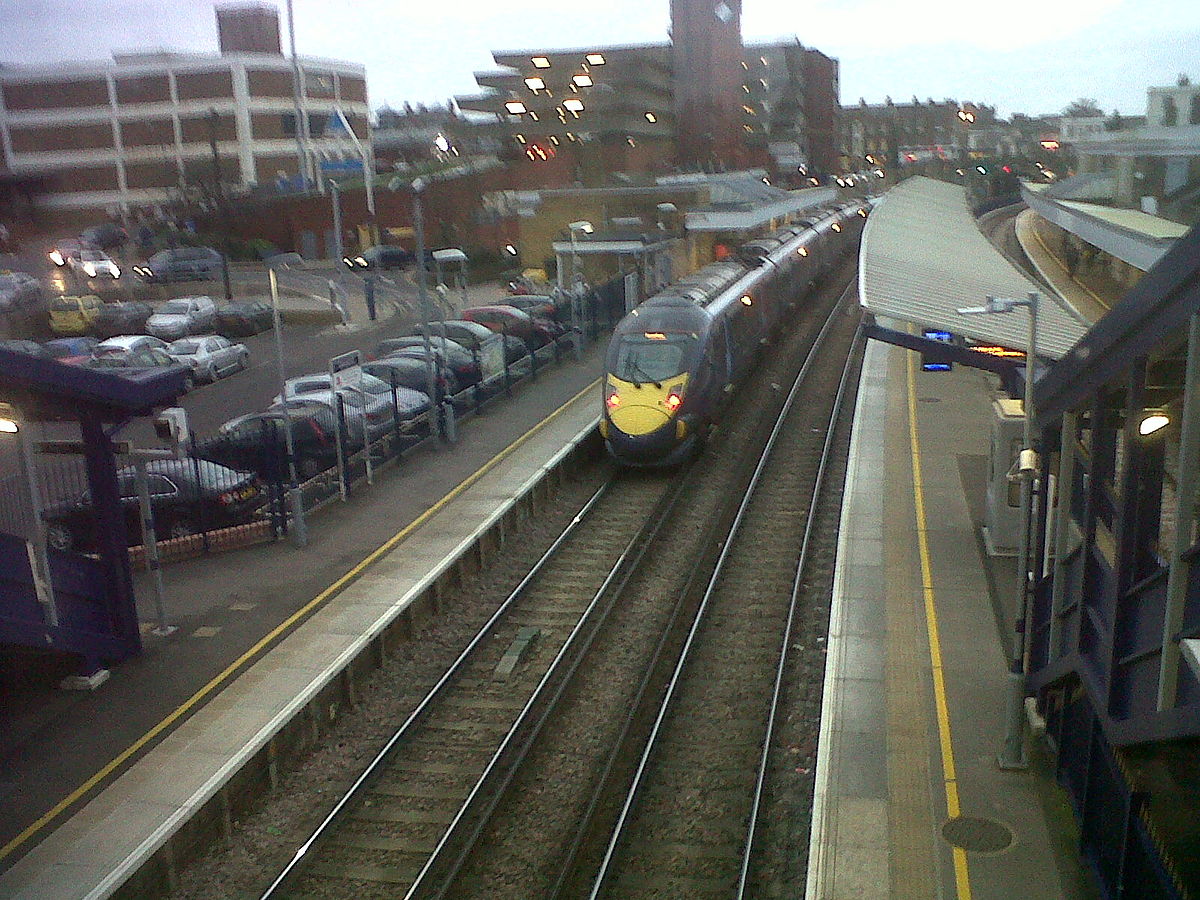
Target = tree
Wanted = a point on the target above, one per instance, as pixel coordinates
(1082, 108)
(1116, 123)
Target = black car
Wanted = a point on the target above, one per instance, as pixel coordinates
(186, 496)
(181, 264)
(244, 318)
(408, 369)
(104, 236)
(459, 359)
(381, 257)
(122, 318)
(258, 442)
(140, 360)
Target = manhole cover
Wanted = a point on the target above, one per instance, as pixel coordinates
(977, 835)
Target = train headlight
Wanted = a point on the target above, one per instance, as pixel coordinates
(613, 400)
(673, 402)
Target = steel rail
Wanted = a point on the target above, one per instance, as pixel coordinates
(639, 776)
(295, 864)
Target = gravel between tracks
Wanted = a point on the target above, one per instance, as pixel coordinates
(264, 840)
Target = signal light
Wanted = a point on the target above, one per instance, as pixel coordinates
(673, 402)
(1008, 169)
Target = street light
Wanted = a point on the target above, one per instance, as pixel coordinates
(1012, 754)
(577, 228)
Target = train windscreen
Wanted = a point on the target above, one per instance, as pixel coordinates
(652, 356)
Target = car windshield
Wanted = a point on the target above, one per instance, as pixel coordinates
(186, 347)
(175, 308)
(642, 358)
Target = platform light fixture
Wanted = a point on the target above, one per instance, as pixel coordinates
(582, 80)
(1153, 420)
(10, 423)
(535, 84)
(571, 104)
(595, 59)
(651, 118)
(540, 62)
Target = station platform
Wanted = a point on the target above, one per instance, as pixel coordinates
(909, 799)
(914, 688)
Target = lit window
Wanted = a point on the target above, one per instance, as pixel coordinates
(571, 136)
(533, 115)
(763, 60)
(516, 107)
(520, 138)
(583, 80)
(573, 104)
(535, 84)
(595, 59)
(540, 62)
(745, 65)
(554, 140)
(630, 141)
(651, 117)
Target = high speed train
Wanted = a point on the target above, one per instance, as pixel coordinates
(675, 360)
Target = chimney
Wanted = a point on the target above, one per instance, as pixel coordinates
(248, 28)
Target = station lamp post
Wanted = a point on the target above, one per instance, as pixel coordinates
(1012, 753)
(967, 117)
(576, 287)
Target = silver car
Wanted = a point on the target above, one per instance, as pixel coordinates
(210, 356)
(374, 400)
(94, 264)
(183, 316)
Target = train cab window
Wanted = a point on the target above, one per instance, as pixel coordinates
(642, 358)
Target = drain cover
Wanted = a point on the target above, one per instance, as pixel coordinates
(977, 835)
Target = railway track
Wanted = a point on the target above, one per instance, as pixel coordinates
(425, 817)
(383, 834)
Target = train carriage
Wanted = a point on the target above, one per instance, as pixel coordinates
(674, 362)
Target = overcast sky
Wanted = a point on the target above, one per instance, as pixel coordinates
(1031, 56)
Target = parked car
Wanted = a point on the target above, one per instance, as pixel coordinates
(181, 264)
(459, 359)
(480, 338)
(92, 263)
(182, 316)
(181, 502)
(63, 251)
(22, 303)
(381, 256)
(244, 318)
(29, 348)
(374, 400)
(257, 442)
(105, 236)
(534, 331)
(209, 356)
(123, 344)
(75, 351)
(409, 370)
(117, 318)
(74, 315)
(541, 305)
(136, 352)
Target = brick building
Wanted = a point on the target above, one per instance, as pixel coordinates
(113, 137)
(704, 100)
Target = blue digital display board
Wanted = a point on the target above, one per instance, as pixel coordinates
(929, 365)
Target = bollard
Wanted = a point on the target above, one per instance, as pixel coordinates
(369, 294)
(299, 529)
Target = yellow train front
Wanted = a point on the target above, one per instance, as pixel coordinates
(659, 384)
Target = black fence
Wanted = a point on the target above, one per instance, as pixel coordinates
(237, 487)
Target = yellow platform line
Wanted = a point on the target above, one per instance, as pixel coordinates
(1038, 236)
(949, 775)
(249, 656)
